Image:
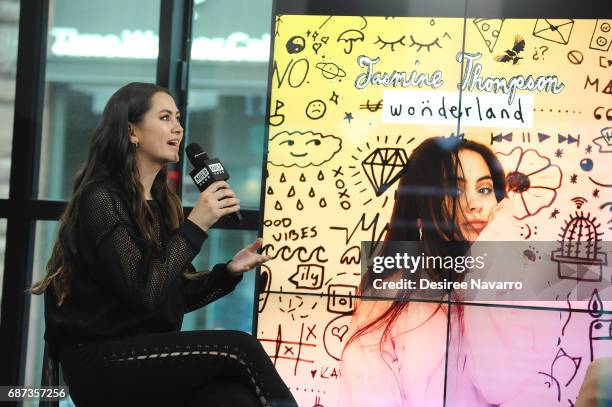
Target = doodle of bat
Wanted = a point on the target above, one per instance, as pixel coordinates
(512, 54)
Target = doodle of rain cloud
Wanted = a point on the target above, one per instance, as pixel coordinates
(302, 149)
(532, 181)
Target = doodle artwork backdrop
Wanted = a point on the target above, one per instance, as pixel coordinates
(352, 96)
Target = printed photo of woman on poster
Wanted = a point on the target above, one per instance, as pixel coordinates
(432, 351)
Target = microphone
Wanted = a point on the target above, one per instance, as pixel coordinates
(207, 170)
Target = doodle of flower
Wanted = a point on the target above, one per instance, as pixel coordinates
(532, 181)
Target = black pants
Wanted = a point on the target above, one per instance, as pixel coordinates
(195, 368)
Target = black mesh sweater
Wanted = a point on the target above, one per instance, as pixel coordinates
(122, 287)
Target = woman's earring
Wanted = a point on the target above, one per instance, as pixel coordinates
(420, 225)
(131, 133)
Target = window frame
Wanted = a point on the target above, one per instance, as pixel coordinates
(20, 209)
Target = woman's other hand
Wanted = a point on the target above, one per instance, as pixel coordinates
(596, 389)
(247, 258)
(214, 202)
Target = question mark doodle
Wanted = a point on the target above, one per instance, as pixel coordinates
(543, 50)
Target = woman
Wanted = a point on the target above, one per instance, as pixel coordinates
(411, 347)
(120, 276)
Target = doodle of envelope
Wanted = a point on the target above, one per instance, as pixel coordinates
(558, 31)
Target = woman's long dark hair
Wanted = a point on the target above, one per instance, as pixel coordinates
(421, 212)
(111, 157)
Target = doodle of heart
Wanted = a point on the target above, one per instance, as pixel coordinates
(340, 331)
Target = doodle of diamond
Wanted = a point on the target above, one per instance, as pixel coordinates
(383, 167)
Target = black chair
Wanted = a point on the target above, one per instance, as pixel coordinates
(50, 376)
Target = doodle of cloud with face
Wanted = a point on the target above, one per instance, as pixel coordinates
(302, 149)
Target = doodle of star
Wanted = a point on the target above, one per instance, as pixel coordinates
(308, 33)
(596, 193)
(348, 116)
(334, 97)
(554, 214)
(559, 153)
(574, 178)
(588, 149)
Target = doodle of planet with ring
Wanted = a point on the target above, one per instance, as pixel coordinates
(329, 70)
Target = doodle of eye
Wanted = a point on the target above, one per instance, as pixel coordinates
(290, 142)
(391, 43)
(315, 141)
(421, 45)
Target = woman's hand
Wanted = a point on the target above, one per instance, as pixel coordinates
(500, 245)
(247, 258)
(502, 225)
(214, 202)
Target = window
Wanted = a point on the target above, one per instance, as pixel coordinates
(9, 27)
(88, 59)
(45, 235)
(227, 94)
(2, 248)
(95, 47)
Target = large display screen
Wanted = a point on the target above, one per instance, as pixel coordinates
(351, 97)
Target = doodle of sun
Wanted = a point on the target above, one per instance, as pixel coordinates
(302, 149)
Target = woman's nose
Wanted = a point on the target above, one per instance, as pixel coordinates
(474, 202)
(178, 128)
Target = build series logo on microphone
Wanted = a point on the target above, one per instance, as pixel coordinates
(202, 176)
(216, 168)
